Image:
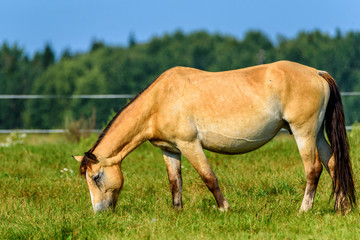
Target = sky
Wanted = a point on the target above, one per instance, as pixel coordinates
(74, 24)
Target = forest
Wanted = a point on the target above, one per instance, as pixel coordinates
(108, 69)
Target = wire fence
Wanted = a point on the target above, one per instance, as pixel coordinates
(102, 96)
(48, 131)
(93, 96)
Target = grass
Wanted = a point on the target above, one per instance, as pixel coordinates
(41, 200)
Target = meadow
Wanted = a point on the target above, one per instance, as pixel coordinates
(43, 195)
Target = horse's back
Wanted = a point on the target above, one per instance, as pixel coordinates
(274, 87)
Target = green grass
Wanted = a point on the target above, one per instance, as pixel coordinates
(264, 188)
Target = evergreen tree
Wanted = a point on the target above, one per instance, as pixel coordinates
(127, 70)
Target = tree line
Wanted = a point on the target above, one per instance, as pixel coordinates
(105, 69)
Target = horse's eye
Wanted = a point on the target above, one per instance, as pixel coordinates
(97, 177)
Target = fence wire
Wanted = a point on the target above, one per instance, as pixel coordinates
(92, 96)
(104, 96)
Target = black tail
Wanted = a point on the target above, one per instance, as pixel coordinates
(343, 184)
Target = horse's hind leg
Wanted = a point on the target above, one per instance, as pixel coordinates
(173, 167)
(306, 140)
(327, 158)
(194, 153)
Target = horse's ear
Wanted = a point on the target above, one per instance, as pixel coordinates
(78, 158)
(91, 157)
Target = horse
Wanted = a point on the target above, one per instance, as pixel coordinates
(186, 110)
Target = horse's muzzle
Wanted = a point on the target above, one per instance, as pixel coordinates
(104, 206)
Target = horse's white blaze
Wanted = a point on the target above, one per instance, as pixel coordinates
(91, 195)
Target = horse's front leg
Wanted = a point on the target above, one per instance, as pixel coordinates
(173, 167)
(193, 151)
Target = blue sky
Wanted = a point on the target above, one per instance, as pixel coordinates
(75, 23)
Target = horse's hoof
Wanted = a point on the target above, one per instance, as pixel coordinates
(225, 208)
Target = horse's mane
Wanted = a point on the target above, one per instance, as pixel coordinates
(106, 129)
(89, 157)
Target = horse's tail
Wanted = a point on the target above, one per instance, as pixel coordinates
(343, 183)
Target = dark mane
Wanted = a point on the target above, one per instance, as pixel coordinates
(106, 129)
(89, 158)
(85, 164)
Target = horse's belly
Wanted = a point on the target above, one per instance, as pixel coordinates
(221, 143)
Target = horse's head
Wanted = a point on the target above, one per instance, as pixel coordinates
(104, 182)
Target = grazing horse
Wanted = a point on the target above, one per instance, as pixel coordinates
(186, 110)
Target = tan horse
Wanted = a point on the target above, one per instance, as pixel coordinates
(186, 110)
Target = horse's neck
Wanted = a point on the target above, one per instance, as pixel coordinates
(129, 130)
